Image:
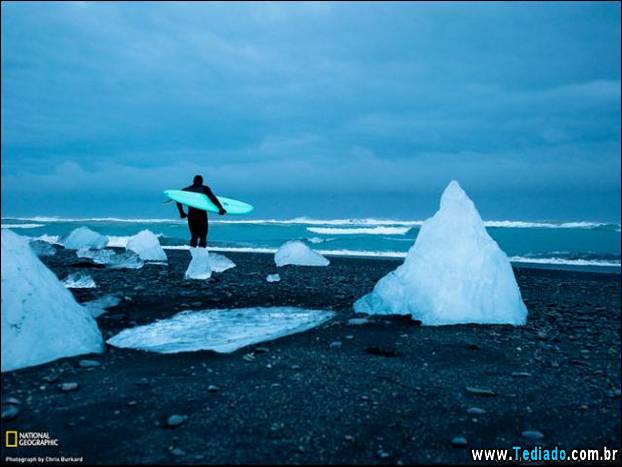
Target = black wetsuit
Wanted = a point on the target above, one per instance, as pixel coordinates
(197, 218)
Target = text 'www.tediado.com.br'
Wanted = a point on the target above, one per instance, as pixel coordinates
(542, 454)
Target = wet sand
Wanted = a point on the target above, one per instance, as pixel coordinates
(387, 391)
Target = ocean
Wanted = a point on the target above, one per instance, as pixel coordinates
(560, 245)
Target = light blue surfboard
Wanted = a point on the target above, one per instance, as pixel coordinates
(201, 201)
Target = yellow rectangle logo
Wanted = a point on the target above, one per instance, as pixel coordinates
(10, 439)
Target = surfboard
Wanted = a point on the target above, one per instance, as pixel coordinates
(201, 201)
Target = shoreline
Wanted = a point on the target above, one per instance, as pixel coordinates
(600, 268)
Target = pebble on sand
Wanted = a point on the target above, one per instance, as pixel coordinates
(533, 435)
(69, 386)
(480, 391)
(458, 441)
(175, 420)
(89, 363)
(9, 412)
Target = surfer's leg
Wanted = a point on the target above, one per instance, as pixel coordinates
(194, 235)
(203, 234)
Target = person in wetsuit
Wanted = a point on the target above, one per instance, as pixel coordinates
(197, 218)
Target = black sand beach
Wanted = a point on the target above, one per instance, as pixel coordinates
(388, 391)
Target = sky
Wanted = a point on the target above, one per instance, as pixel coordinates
(326, 110)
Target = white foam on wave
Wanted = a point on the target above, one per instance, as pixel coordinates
(311, 221)
(22, 226)
(543, 225)
(322, 222)
(565, 262)
(359, 231)
(97, 219)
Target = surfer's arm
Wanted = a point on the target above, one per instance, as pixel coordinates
(214, 200)
(180, 208)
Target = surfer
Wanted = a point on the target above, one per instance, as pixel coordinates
(197, 218)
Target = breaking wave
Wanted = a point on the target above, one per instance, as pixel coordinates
(372, 222)
(22, 226)
(359, 231)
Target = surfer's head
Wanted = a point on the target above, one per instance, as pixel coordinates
(198, 180)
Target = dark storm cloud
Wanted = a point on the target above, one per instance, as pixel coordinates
(319, 102)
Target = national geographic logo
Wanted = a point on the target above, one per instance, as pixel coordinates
(14, 439)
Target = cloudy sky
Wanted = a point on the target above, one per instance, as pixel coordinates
(319, 109)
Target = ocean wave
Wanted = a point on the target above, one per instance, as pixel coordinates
(22, 226)
(565, 261)
(364, 222)
(97, 219)
(360, 230)
(547, 225)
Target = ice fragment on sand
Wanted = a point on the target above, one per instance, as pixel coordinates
(220, 263)
(79, 280)
(199, 267)
(83, 237)
(297, 253)
(146, 245)
(219, 330)
(273, 278)
(100, 305)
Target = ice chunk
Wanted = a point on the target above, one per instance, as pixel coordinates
(100, 305)
(146, 245)
(41, 248)
(53, 239)
(79, 280)
(98, 256)
(219, 330)
(220, 263)
(127, 259)
(273, 278)
(199, 267)
(83, 237)
(41, 321)
(297, 253)
(454, 273)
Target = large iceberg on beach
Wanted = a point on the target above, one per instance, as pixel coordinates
(83, 237)
(454, 273)
(297, 253)
(146, 245)
(219, 330)
(41, 321)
